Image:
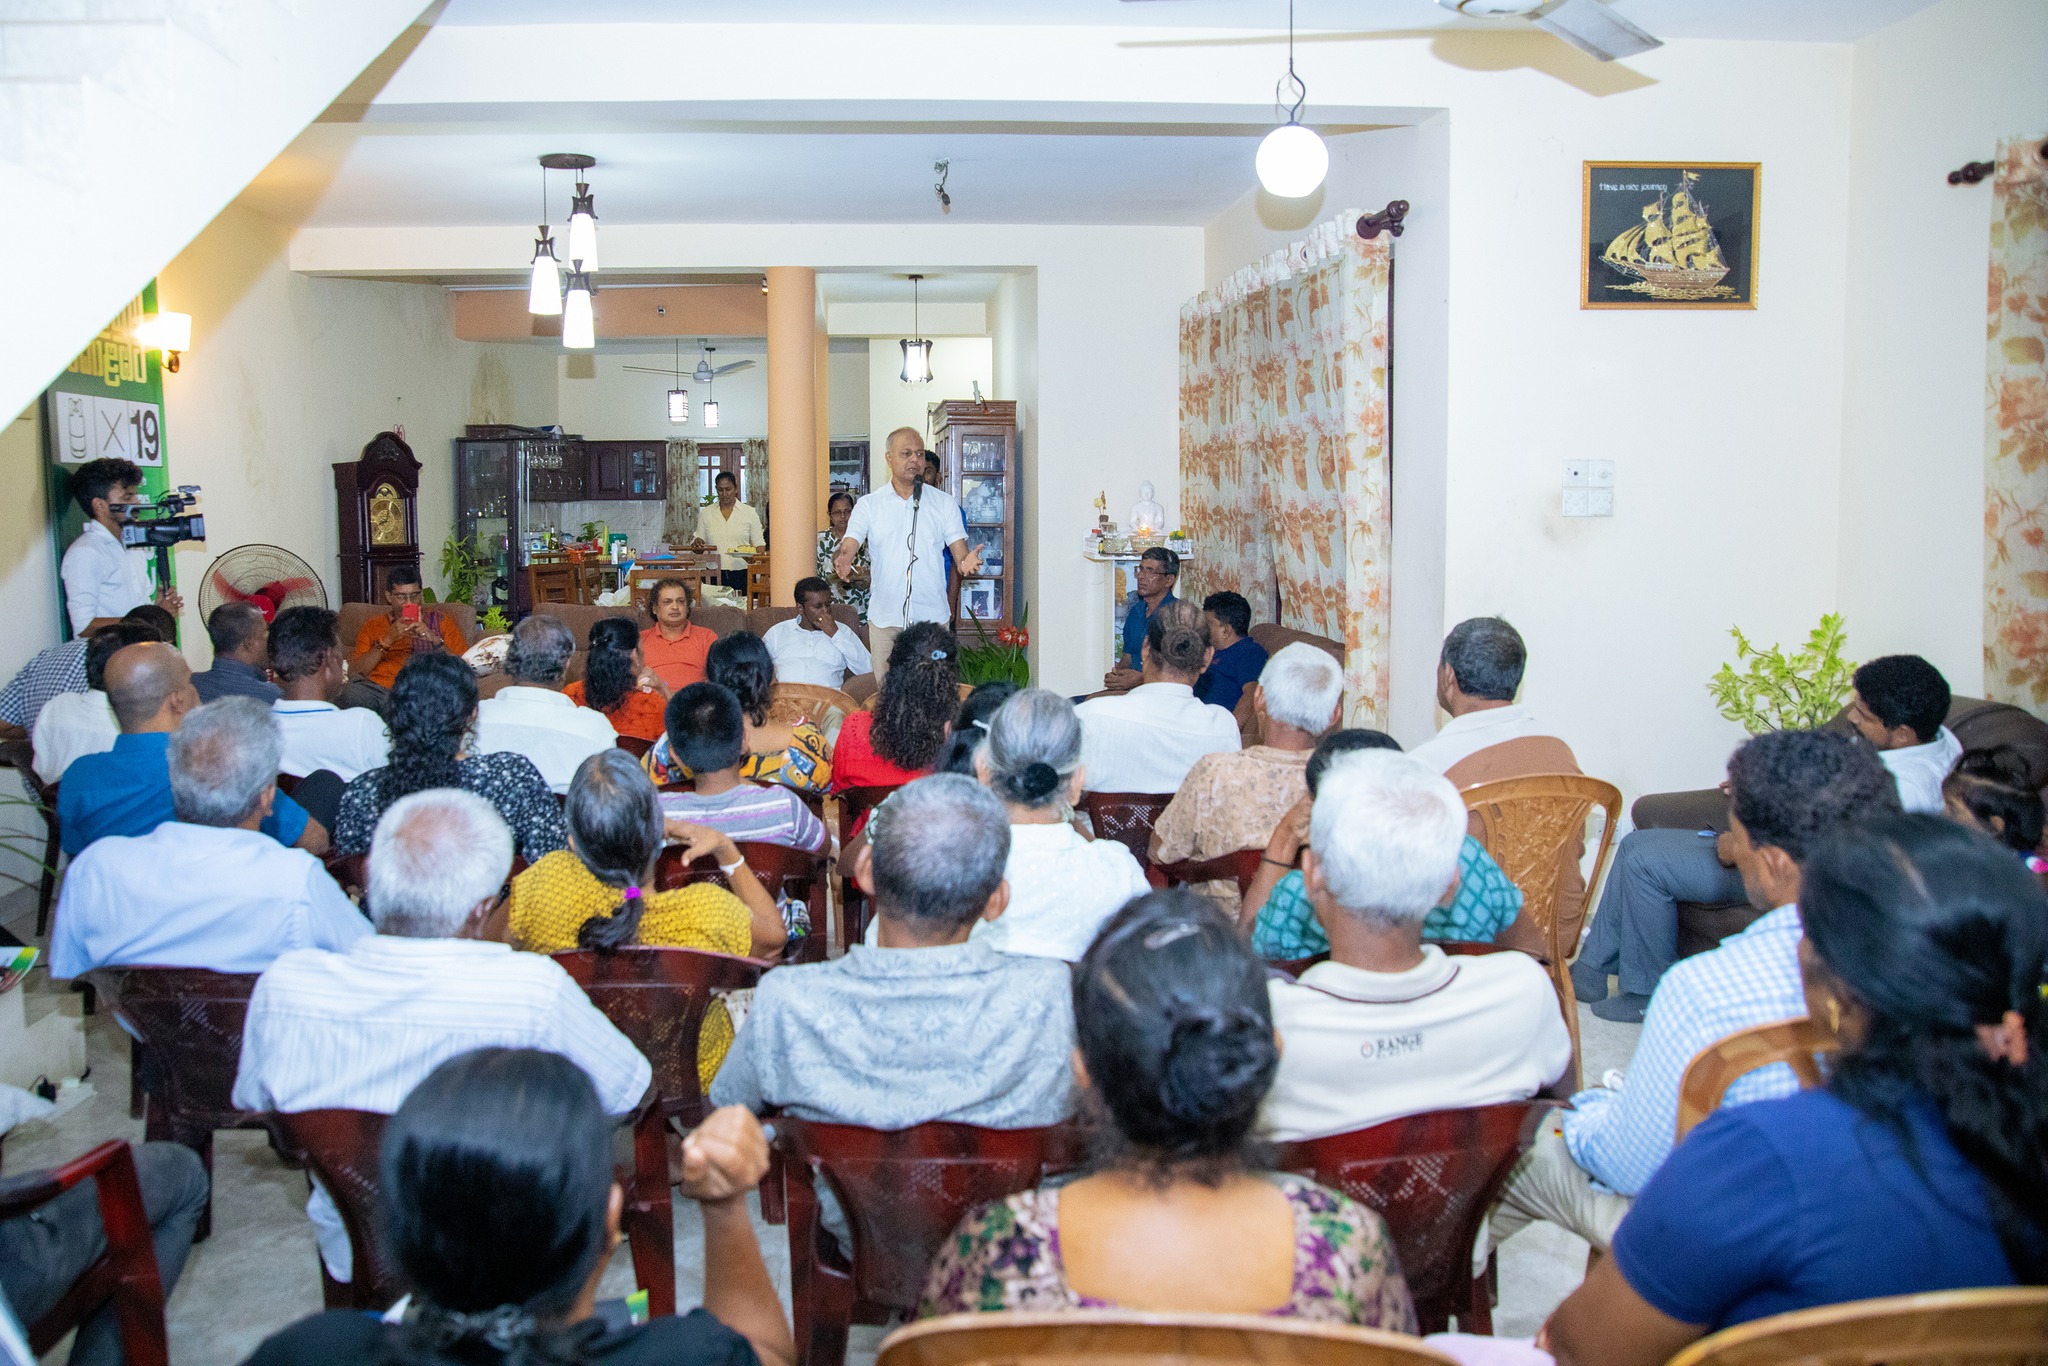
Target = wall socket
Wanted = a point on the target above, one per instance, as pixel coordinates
(1588, 488)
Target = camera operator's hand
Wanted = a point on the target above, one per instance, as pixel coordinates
(171, 600)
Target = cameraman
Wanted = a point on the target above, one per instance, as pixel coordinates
(104, 580)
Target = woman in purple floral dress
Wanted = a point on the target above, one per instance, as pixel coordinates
(1174, 1029)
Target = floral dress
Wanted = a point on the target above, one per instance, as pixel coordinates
(1007, 1256)
(853, 596)
(805, 765)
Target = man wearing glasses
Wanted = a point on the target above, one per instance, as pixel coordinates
(909, 528)
(1158, 571)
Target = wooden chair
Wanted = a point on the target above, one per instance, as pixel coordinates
(1239, 866)
(759, 593)
(341, 1148)
(351, 872)
(786, 873)
(560, 582)
(1127, 818)
(126, 1273)
(1719, 1065)
(2005, 1326)
(19, 755)
(634, 745)
(1129, 1338)
(855, 803)
(1433, 1177)
(187, 1025)
(903, 1191)
(1527, 823)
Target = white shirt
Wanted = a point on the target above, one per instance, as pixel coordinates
(546, 727)
(1359, 1048)
(1147, 739)
(320, 735)
(103, 578)
(1919, 770)
(357, 1030)
(69, 726)
(742, 528)
(1062, 888)
(1464, 736)
(881, 521)
(803, 656)
(196, 896)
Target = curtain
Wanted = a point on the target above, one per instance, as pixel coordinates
(2016, 432)
(679, 512)
(1283, 444)
(754, 455)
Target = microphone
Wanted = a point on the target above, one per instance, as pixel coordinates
(910, 569)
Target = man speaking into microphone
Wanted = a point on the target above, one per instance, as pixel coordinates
(909, 530)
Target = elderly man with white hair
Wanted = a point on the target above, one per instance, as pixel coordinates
(1391, 1026)
(1232, 800)
(357, 1030)
(534, 716)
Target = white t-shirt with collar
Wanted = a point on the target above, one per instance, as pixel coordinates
(546, 727)
(1464, 736)
(320, 735)
(1147, 739)
(804, 656)
(1919, 770)
(881, 521)
(742, 528)
(103, 578)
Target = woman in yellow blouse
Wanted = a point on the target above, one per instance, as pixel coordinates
(598, 893)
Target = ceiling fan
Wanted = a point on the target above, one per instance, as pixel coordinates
(1589, 25)
(705, 371)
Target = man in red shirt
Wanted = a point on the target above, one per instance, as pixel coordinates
(385, 643)
(674, 647)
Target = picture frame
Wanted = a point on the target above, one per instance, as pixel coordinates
(1669, 234)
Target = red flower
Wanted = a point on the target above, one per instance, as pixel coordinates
(1023, 637)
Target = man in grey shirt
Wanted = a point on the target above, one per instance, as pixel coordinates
(924, 1026)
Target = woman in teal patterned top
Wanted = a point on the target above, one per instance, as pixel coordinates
(1176, 1040)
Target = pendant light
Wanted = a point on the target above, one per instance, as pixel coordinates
(579, 326)
(583, 228)
(679, 397)
(1292, 160)
(711, 411)
(544, 294)
(917, 352)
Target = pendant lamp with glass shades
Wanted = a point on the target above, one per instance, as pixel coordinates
(579, 325)
(917, 352)
(1292, 159)
(544, 293)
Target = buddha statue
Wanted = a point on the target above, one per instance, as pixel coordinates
(1147, 516)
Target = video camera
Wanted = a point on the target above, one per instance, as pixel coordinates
(165, 522)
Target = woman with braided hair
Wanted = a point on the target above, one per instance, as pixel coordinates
(1176, 1049)
(499, 1204)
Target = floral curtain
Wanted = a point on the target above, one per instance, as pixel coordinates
(1283, 447)
(754, 454)
(679, 512)
(2016, 432)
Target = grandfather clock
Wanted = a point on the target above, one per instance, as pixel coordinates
(377, 498)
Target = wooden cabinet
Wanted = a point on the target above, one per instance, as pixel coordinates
(977, 448)
(627, 470)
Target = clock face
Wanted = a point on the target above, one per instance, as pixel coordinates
(387, 515)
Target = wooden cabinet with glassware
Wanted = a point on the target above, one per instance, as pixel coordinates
(504, 479)
(627, 470)
(977, 448)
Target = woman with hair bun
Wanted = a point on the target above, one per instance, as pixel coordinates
(616, 682)
(1177, 1051)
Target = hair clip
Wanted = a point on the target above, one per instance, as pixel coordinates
(1167, 934)
(982, 726)
(940, 656)
(632, 894)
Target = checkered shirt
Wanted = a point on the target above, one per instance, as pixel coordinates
(52, 673)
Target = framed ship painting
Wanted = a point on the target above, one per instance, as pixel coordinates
(1669, 234)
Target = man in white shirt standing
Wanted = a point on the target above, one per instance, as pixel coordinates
(104, 579)
(730, 523)
(814, 646)
(358, 1029)
(1147, 739)
(1390, 1026)
(533, 717)
(909, 530)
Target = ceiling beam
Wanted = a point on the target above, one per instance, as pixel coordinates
(498, 315)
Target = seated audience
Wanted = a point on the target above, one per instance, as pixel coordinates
(616, 682)
(359, 1028)
(57, 670)
(432, 710)
(325, 746)
(1899, 706)
(814, 646)
(77, 723)
(129, 789)
(1391, 1026)
(1147, 739)
(1177, 1050)
(1920, 1166)
(1486, 908)
(1062, 886)
(970, 726)
(1238, 659)
(1158, 571)
(1786, 790)
(905, 735)
(792, 753)
(206, 889)
(710, 740)
(386, 644)
(1235, 799)
(241, 656)
(520, 1133)
(928, 1025)
(674, 647)
(45, 1252)
(1988, 790)
(533, 717)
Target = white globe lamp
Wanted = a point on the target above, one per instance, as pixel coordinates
(1292, 161)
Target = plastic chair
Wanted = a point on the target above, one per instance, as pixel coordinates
(1991, 1327)
(904, 1191)
(187, 1025)
(1433, 1177)
(855, 803)
(1720, 1065)
(1239, 866)
(20, 756)
(1127, 818)
(1130, 1338)
(126, 1273)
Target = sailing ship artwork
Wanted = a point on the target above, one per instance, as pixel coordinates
(1669, 235)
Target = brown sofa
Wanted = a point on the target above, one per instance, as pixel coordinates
(1978, 724)
(1273, 638)
(354, 614)
(723, 620)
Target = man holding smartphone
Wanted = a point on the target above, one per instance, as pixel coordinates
(385, 643)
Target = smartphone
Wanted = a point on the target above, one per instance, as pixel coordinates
(409, 612)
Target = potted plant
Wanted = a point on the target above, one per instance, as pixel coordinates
(998, 657)
(466, 566)
(1777, 691)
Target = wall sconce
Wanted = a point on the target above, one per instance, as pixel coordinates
(167, 333)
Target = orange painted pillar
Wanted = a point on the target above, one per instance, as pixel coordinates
(792, 427)
(823, 370)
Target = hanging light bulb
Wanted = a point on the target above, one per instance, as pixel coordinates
(678, 406)
(544, 295)
(1292, 160)
(711, 412)
(917, 352)
(579, 326)
(583, 228)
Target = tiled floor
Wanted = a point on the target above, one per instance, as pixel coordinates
(257, 1272)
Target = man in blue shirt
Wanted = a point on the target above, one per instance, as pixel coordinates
(241, 656)
(127, 790)
(1238, 660)
(1158, 570)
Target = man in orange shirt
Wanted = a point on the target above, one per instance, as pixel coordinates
(673, 647)
(385, 643)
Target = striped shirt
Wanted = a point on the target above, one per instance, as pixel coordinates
(53, 672)
(751, 815)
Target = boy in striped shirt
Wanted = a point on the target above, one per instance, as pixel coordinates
(713, 746)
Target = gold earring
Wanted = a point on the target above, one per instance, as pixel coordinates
(1834, 1016)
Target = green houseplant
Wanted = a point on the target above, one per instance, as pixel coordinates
(998, 657)
(465, 564)
(493, 622)
(1780, 691)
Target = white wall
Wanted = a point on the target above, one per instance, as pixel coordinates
(604, 401)
(1929, 94)
(28, 588)
(1013, 338)
(958, 363)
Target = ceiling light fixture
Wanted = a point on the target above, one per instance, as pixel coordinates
(1292, 160)
(764, 284)
(944, 169)
(917, 352)
(544, 294)
(582, 243)
(679, 397)
(579, 323)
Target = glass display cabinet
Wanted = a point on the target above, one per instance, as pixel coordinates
(977, 448)
(504, 479)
